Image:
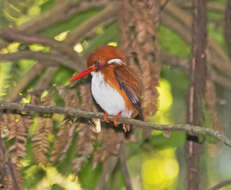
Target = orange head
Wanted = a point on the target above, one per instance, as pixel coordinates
(101, 57)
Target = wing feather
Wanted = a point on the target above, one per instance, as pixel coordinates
(129, 84)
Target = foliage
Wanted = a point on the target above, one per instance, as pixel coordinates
(47, 151)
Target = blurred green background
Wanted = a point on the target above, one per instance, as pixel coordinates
(158, 166)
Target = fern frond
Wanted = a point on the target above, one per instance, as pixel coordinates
(18, 128)
(3, 124)
(110, 141)
(40, 140)
(85, 146)
(43, 128)
(63, 140)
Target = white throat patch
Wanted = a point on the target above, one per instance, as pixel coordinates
(116, 60)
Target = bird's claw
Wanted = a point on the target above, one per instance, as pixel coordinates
(105, 117)
(126, 127)
(115, 119)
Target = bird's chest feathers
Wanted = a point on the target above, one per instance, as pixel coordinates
(107, 97)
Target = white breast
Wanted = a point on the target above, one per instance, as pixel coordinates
(108, 98)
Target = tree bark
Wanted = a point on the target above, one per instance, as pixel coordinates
(138, 22)
(197, 88)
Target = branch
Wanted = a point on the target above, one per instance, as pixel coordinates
(220, 185)
(213, 6)
(175, 61)
(76, 35)
(43, 83)
(184, 64)
(10, 34)
(44, 60)
(71, 112)
(63, 11)
(106, 14)
(216, 55)
(45, 80)
(31, 74)
(50, 59)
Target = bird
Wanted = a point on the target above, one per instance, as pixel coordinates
(114, 86)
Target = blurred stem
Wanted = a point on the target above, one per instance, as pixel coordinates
(31, 74)
(181, 22)
(45, 80)
(16, 35)
(108, 167)
(221, 185)
(90, 24)
(48, 59)
(124, 168)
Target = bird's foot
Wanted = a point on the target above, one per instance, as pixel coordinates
(115, 119)
(126, 127)
(105, 117)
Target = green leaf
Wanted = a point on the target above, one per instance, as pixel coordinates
(62, 76)
(70, 24)
(33, 175)
(172, 43)
(66, 166)
(111, 33)
(57, 187)
(176, 139)
(89, 177)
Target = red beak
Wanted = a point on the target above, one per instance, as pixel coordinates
(83, 73)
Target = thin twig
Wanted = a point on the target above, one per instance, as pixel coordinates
(124, 168)
(164, 5)
(220, 185)
(192, 129)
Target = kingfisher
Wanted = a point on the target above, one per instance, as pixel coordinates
(114, 86)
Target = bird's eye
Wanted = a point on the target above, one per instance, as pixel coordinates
(96, 63)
